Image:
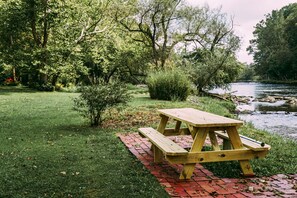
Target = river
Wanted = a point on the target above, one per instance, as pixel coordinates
(278, 117)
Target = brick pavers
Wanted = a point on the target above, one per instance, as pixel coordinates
(203, 183)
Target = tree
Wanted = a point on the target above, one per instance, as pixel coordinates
(47, 37)
(84, 41)
(153, 24)
(247, 74)
(274, 46)
(13, 45)
(210, 48)
(115, 56)
(165, 26)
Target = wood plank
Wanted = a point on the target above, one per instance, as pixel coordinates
(191, 129)
(246, 142)
(200, 136)
(246, 168)
(198, 118)
(217, 156)
(164, 144)
(234, 138)
(162, 124)
(158, 154)
(177, 126)
(237, 144)
(172, 132)
(214, 141)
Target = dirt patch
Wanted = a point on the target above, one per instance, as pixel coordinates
(127, 120)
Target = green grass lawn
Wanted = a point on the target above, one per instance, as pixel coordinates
(48, 150)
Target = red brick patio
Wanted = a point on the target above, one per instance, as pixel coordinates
(204, 183)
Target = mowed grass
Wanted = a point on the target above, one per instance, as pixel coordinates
(48, 150)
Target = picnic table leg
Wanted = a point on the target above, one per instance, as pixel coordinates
(191, 129)
(213, 140)
(200, 136)
(162, 124)
(158, 155)
(177, 126)
(237, 144)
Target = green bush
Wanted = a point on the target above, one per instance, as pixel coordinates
(169, 85)
(42, 87)
(95, 100)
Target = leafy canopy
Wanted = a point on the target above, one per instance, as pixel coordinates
(275, 45)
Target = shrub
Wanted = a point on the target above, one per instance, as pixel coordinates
(95, 100)
(169, 85)
(42, 87)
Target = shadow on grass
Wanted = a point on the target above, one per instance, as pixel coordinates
(6, 90)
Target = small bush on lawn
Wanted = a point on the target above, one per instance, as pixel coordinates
(95, 100)
(169, 85)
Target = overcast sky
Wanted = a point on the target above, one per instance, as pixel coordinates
(246, 13)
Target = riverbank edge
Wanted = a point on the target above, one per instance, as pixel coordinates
(290, 82)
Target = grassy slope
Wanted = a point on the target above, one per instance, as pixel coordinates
(47, 150)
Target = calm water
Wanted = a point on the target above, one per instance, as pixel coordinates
(276, 117)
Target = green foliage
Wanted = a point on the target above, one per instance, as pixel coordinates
(50, 42)
(215, 70)
(95, 100)
(247, 74)
(274, 47)
(212, 62)
(152, 25)
(137, 89)
(123, 59)
(169, 85)
(45, 40)
(42, 87)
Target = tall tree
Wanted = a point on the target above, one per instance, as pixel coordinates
(48, 36)
(210, 47)
(274, 46)
(13, 45)
(154, 24)
(64, 40)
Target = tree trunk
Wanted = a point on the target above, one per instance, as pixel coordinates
(14, 74)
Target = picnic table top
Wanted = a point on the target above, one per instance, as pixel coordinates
(199, 118)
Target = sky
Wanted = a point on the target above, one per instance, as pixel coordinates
(246, 14)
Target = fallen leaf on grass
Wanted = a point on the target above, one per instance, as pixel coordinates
(63, 173)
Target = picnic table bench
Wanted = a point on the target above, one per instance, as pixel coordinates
(199, 125)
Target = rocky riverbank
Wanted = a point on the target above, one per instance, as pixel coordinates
(267, 106)
(269, 99)
(244, 103)
(279, 122)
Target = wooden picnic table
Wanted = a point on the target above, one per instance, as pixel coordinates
(199, 125)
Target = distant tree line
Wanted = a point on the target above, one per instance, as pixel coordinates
(275, 45)
(44, 42)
